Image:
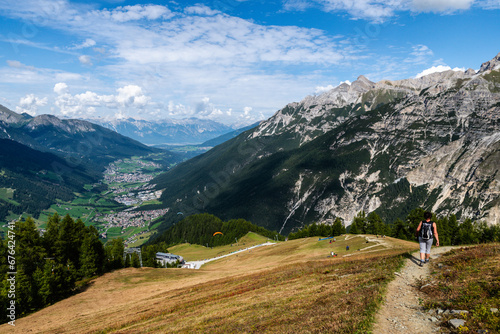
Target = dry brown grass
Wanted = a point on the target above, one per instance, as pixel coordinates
(291, 287)
(468, 278)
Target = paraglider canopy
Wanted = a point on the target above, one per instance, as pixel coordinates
(217, 233)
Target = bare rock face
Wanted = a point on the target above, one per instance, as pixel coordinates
(442, 134)
(389, 146)
(493, 64)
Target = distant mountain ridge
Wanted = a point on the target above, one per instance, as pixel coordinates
(46, 158)
(166, 131)
(78, 140)
(388, 147)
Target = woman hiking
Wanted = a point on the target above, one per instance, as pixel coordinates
(426, 231)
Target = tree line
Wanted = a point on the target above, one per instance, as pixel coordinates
(200, 228)
(59, 263)
(314, 230)
(450, 231)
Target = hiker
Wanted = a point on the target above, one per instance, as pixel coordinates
(426, 231)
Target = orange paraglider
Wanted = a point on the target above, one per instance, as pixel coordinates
(217, 233)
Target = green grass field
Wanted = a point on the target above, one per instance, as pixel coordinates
(7, 194)
(192, 252)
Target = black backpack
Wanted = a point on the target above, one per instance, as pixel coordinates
(426, 230)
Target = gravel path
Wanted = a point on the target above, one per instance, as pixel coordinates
(401, 311)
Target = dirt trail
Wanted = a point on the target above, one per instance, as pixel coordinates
(401, 311)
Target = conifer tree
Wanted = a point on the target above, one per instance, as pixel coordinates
(127, 261)
(453, 229)
(135, 261)
(338, 227)
(51, 234)
(400, 230)
(354, 228)
(92, 254)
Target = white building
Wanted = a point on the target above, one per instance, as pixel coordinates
(165, 258)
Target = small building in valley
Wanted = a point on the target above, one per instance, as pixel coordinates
(168, 258)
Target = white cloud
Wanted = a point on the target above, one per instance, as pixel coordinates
(441, 6)
(86, 44)
(373, 10)
(19, 65)
(322, 89)
(85, 104)
(380, 10)
(137, 12)
(439, 68)
(489, 4)
(200, 10)
(421, 54)
(296, 5)
(15, 64)
(30, 103)
(85, 60)
(132, 95)
(61, 88)
(179, 57)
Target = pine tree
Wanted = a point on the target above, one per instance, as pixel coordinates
(114, 254)
(354, 228)
(51, 235)
(414, 218)
(67, 247)
(453, 229)
(359, 223)
(29, 249)
(374, 224)
(338, 227)
(92, 254)
(135, 260)
(400, 230)
(127, 261)
(467, 233)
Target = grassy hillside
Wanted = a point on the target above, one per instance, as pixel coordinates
(291, 286)
(192, 252)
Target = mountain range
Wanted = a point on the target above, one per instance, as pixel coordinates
(46, 158)
(78, 140)
(387, 147)
(166, 131)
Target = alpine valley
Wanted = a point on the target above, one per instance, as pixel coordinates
(388, 147)
(45, 160)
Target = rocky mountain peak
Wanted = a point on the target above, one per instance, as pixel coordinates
(491, 65)
(362, 84)
(9, 116)
(470, 71)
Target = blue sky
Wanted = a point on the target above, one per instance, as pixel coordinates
(233, 61)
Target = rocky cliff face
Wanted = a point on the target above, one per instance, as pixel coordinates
(442, 132)
(389, 147)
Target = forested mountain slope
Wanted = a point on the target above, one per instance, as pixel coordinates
(388, 146)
